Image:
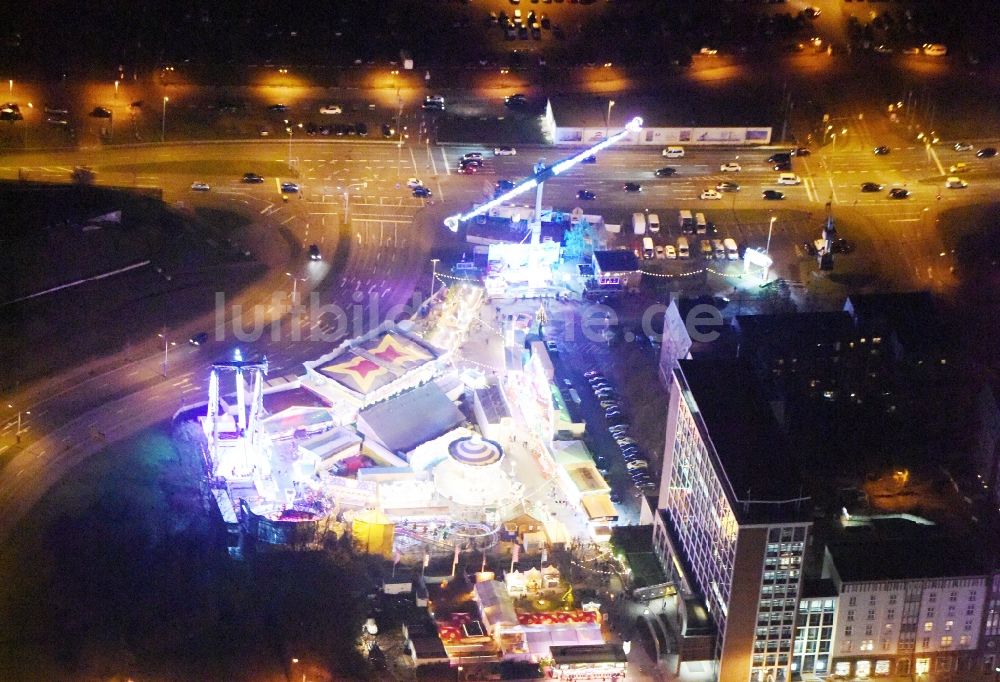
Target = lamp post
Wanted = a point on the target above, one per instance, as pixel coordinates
(295, 287)
(767, 249)
(167, 343)
(163, 123)
(116, 89)
(607, 120)
(434, 262)
(10, 87)
(26, 128)
(17, 433)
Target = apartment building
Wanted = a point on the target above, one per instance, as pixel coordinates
(909, 605)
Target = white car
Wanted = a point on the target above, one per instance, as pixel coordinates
(331, 109)
(413, 183)
(200, 186)
(670, 252)
(711, 194)
(789, 179)
(731, 167)
(504, 151)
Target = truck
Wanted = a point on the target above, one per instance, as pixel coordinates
(685, 221)
(648, 250)
(639, 223)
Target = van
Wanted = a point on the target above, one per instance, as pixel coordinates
(682, 248)
(674, 152)
(686, 222)
(788, 179)
(732, 253)
(701, 225)
(638, 223)
(647, 248)
(653, 221)
(705, 247)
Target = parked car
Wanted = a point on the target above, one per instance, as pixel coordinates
(637, 464)
(289, 187)
(670, 252)
(331, 109)
(504, 151)
(422, 192)
(413, 183)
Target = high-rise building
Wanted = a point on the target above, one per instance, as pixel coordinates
(732, 522)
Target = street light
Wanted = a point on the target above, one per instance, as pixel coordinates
(434, 262)
(767, 249)
(607, 120)
(163, 126)
(166, 349)
(116, 89)
(17, 433)
(30, 107)
(295, 287)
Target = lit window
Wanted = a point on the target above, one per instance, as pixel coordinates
(923, 666)
(946, 641)
(928, 626)
(867, 645)
(948, 625)
(863, 668)
(964, 640)
(842, 668)
(882, 667)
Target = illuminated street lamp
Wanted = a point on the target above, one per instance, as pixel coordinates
(434, 262)
(166, 349)
(607, 120)
(163, 125)
(116, 89)
(30, 107)
(10, 87)
(767, 249)
(295, 287)
(19, 413)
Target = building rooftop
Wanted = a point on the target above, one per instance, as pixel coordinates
(752, 455)
(588, 653)
(793, 332)
(910, 316)
(898, 549)
(492, 402)
(405, 421)
(619, 260)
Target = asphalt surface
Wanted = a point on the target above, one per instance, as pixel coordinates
(383, 250)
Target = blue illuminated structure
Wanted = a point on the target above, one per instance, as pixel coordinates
(542, 173)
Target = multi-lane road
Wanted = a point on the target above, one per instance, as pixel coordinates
(376, 241)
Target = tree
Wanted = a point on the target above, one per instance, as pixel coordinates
(574, 242)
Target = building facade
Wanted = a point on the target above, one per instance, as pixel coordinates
(914, 626)
(741, 553)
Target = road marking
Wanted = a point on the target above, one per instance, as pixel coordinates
(445, 158)
(903, 220)
(4, 449)
(288, 220)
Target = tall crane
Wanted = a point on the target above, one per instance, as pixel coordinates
(537, 181)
